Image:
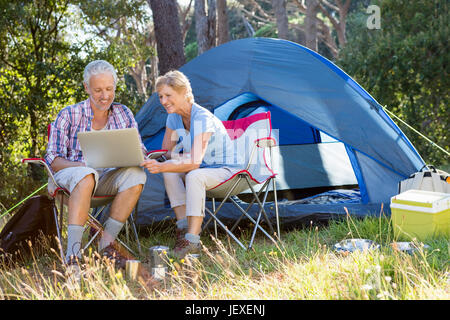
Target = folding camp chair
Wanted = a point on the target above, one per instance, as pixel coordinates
(98, 203)
(252, 137)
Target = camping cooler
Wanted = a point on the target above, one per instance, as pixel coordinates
(420, 214)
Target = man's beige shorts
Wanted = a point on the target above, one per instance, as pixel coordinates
(108, 181)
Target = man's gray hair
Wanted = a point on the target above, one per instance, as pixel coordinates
(98, 67)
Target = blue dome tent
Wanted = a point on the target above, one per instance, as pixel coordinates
(333, 136)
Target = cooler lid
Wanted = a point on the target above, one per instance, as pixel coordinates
(422, 198)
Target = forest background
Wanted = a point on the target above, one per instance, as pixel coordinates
(396, 49)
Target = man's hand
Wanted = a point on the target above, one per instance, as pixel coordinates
(61, 163)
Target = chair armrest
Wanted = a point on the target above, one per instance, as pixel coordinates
(41, 162)
(153, 154)
(156, 154)
(267, 142)
(35, 160)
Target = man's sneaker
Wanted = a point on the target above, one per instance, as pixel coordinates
(185, 247)
(114, 255)
(179, 235)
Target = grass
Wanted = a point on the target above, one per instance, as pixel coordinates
(302, 266)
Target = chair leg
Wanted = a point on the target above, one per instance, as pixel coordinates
(133, 219)
(248, 208)
(94, 223)
(226, 229)
(244, 212)
(94, 215)
(215, 222)
(61, 211)
(260, 204)
(126, 247)
(274, 188)
(259, 218)
(254, 231)
(222, 203)
(242, 215)
(252, 220)
(275, 196)
(264, 212)
(58, 232)
(127, 233)
(97, 233)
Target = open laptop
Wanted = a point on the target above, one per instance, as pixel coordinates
(111, 148)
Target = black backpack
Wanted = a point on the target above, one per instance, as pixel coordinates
(34, 219)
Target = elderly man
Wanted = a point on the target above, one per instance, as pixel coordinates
(65, 158)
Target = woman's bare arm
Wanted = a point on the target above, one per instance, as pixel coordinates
(184, 164)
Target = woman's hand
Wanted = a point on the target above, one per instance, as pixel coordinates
(186, 162)
(152, 165)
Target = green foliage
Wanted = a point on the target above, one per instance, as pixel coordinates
(303, 265)
(236, 25)
(404, 65)
(42, 60)
(122, 27)
(267, 31)
(39, 73)
(36, 62)
(124, 94)
(191, 51)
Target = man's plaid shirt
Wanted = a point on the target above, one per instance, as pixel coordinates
(63, 140)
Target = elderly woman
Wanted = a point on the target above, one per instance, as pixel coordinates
(207, 158)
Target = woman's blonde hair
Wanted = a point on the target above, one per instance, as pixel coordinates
(177, 81)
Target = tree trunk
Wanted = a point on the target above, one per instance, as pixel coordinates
(205, 25)
(169, 39)
(140, 76)
(341, 8)
(279, 7)
(212, 23)
(327, 38)
(201, 25)
(153, 69)
(186, 20)
(222, 22)
(248, 27)
(343, 11)
(311, 24)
